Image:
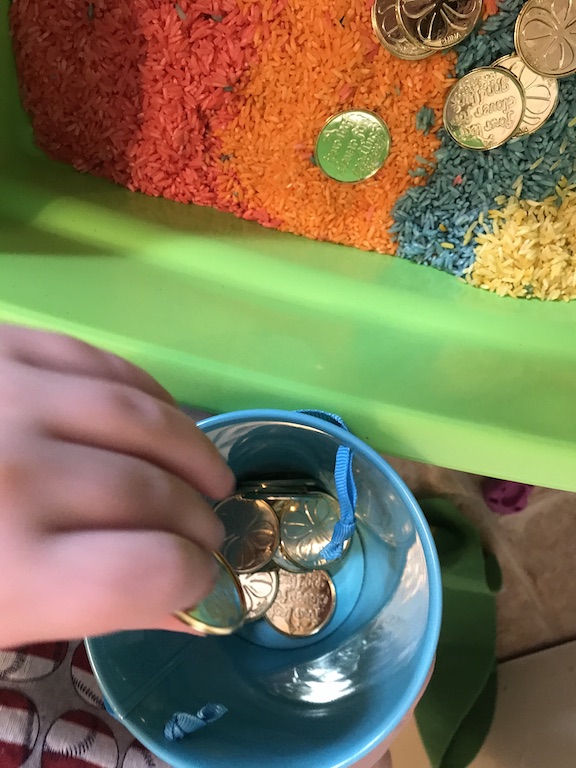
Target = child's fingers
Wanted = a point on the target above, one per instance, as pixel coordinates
(57, 352)
(81, 487)
(122, 419)
(100, 582)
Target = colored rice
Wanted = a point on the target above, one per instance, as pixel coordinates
(311, 65)
(219, 102)
(133, 91)
(529, 248)
(541, 159)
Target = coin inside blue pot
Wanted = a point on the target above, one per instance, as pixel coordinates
(348, 578)
(326, 704)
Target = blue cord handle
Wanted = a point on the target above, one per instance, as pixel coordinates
(345, 490)
(182, 723)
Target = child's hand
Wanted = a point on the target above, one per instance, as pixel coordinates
(102, 524)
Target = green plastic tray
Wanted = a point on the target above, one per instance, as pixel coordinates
(229, 315)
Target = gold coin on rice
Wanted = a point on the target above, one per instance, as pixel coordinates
(484, 108)
(392, 36)
(545, 37)
(304, 605)
(438, 24)
(352, 146)
(540, 93)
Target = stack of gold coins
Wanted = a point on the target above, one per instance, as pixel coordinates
(271, 565)
(275, 534)
(415, 29)
(490, 105)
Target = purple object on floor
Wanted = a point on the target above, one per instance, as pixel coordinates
(505, 497)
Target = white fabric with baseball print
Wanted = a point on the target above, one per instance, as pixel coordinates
(52, 714)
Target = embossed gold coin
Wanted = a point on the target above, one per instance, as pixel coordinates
(484, 108)
(262, 489)
(540, 93)
(545, 37)
(391, 35)
(438, 24)
(285, 563)
(251, 533)
(224, 610)
(304, 605)
(352, 146)
(306, 527)
(260, 590)
(285, 499)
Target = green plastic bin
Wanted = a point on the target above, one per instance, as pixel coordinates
(229, 315)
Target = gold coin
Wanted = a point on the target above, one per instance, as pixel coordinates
(251, 533)
(392, 36)
(304, 604)
(285, 563)
(266, 489)
(352, 146)
(545, 37)
(540, 93)
(484, 108)
(280, 502)
(306, 527)
(224, 610)
(260, 590)
(438, 24)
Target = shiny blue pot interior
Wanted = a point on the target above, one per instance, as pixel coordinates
(323, 702)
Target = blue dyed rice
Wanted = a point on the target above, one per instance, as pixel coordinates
(485, 175)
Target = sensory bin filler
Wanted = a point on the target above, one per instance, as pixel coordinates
(118, 116)
(443, 132)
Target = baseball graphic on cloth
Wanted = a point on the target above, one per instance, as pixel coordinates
(83, 678)
(79, 739)
(19, 725)
(138, 756)
(31, 662)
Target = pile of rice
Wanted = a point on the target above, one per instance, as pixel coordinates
(219, 102)
(529, 248)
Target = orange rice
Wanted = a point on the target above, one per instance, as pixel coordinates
(310, 66)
